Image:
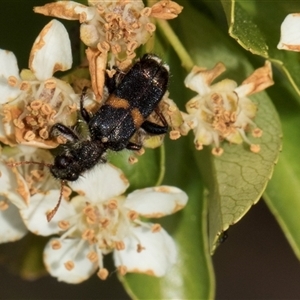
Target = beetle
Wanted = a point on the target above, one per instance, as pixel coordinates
(133, 96)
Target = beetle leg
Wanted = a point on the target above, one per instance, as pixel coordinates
(84, 113)
(66, 132)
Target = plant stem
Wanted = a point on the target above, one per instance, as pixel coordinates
(161, 165)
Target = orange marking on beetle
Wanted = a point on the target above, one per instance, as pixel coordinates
(137, 117)
(117, 102)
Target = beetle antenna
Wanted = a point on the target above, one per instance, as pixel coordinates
(51, 214)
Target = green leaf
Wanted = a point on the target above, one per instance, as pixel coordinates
(263, 32)
(237, 179)
(282, 193)
(243, 28)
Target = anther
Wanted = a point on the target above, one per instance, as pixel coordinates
(120, 245)
(56, 244)
(69, 265)
(155, 228)
(92, 256)
(140, 248)
(103, 273)
(217, 151)
(3, 205)
(112, 204)
(122, 270)
(64, 225)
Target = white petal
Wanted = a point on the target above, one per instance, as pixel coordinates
(8, 68)
(7, 92)
(158, 256)
(8, 64)
(34, 215)
(55, 259)
(9, 186)
(196, 82)
(88, 12)
(12, 227)
(156, 202)
(60, 9)
(290, 33)
(51, 51)
(200, 79)
(101, 183)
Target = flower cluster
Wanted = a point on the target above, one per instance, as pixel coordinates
(223, 111)
(93, 219)
(117, 27)
(34, 100)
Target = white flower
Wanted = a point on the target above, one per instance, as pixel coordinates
(222, 110)
(290, 33)
(101, 220)
(114, 26)
(22, 187)
(34, 100)
(12, 227)
(117, 25)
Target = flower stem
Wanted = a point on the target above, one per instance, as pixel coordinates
(161, 165)
(185, 58)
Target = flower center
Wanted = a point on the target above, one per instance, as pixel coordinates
(38, 107)
(105, 225)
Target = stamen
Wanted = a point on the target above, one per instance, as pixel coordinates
(103, 274)
(88, 234)
(156, 228)
(140, 248)
(255, 148)
(3, 205)
(92, 256)
(132, 160)
(217, 151)
(69, 265)
(78, 248)
(68, 232)
(132, 215)
(64, 224)
(112, 204)
(56, 244)
(122, 270)
(257, 132)
(120, 245)
(174, 135)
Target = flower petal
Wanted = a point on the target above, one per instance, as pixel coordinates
(199, 79)
(259, 80)
(55, 261)
(34, 216)
(157, 201)
(8, 65)
(9, 75)
(158, 255)
(290, 33)
(13, 186)
(51, 51)
(60, 9)
(103, 182)
(12, 227)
